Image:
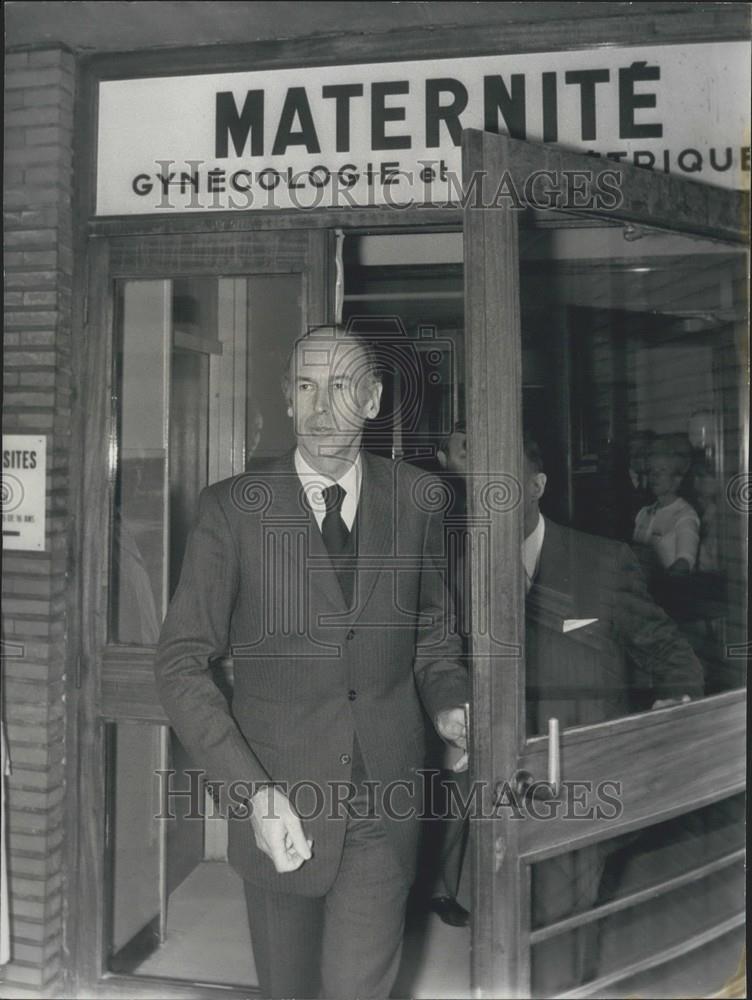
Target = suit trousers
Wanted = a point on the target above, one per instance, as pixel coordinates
(346, 944)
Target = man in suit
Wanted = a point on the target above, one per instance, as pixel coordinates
(623, 653)
(322, 573)
(618, 653)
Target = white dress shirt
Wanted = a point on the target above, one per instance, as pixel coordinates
(531, 550)
(672, 531)
(314, 483)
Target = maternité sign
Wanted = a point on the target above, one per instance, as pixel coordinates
(389, 133)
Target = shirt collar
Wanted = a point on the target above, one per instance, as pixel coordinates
(314, 483)
(531, 547)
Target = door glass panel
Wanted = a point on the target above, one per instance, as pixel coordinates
(194, 342)
(634, 403)
(274, 321)
(653, 890)
(137, 591)
(134, 754)
(198, 366)
(198, 369)
(177, 909)
(404, 293)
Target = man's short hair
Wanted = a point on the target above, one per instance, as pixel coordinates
(337, 332)
(532, 453)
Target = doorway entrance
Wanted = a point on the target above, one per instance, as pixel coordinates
(555, 324)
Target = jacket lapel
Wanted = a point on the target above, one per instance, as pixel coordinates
(551, 598)
(374, 524)
(289, 508)
(568, 586)
(376, 519)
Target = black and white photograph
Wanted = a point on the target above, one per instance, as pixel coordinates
(375, 500)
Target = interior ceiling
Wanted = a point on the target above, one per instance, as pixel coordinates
(112, 25)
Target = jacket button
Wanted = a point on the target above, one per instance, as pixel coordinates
(345, 758)
(352, 695)
(350, 635)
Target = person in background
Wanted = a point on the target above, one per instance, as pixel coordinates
(669, 527)
(452, 456)
(614, 500)
(640, 446)
(569, 676)
(622, 653)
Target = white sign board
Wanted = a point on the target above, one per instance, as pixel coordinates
(24, 482)
(389, 133)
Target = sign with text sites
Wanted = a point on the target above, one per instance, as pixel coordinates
(23, 488)
(390, 133)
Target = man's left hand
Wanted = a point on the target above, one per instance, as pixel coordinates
(451, 725)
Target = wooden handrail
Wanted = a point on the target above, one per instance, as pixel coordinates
(596, 987)
(634, 898)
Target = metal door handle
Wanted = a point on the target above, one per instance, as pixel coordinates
(524, 781)
(554, 756)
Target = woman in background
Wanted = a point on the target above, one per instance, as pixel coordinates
(669, 527)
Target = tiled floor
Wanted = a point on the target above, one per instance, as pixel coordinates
(208, 941)
(207, 931)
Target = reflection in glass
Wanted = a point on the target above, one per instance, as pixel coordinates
(652, 890)
(404, 293)
(638, 409)
(597, 645)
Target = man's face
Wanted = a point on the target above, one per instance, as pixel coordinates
(456, 453)
(533, 487)
(332, 394)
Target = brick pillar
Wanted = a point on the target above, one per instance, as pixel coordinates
(38, 260)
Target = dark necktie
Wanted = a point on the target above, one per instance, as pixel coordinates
(337, 538)
(333, 528)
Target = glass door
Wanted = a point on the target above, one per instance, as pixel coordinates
(191, 393)
(608, 502)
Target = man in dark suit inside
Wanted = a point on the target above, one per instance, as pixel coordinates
(322, 573)
(597, 647)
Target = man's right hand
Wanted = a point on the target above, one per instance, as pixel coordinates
(278, 830)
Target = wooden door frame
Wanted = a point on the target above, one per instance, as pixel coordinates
(128, 686)
(125, 689)
(500, 953)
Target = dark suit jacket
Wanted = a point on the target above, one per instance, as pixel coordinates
(309, 675)
(622, 662)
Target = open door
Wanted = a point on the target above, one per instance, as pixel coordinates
(185, 393)
(607, 319)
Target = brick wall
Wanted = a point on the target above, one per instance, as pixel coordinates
(37, 340)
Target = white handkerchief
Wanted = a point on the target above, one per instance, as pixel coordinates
(570, 624)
